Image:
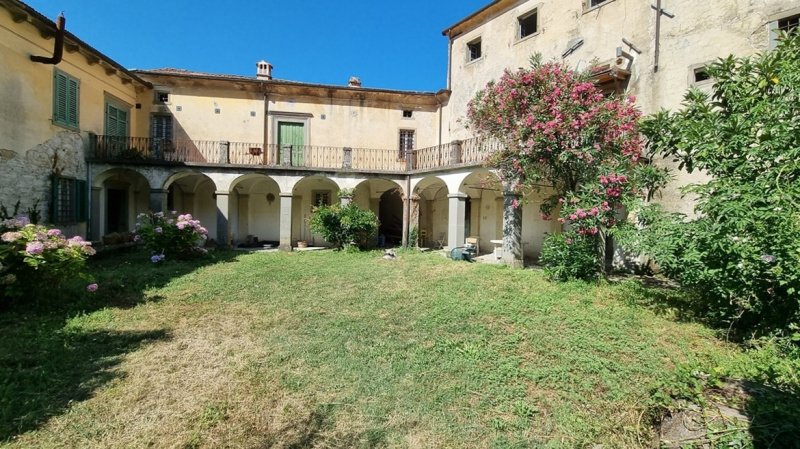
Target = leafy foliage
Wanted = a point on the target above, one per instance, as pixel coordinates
(170, 235)
(344, 226)
(742, 255)
(567, 256)
(561, 133)
(35, 259)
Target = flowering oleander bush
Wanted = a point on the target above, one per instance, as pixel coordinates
(170, 235)
(35, 260)
(559, 132)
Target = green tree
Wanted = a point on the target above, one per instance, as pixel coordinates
(344, 226)
(742, 253)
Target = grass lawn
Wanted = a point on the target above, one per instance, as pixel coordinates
(331, 349)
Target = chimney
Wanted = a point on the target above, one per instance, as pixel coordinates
(264, 70)
(354, 81)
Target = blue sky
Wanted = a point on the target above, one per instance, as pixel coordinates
(388, 44)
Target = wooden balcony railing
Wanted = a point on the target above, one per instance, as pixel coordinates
(176, 151)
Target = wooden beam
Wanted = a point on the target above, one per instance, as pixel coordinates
(91, 59)
(126, 80)
(110, 71)
(18, 16)
(71, 48)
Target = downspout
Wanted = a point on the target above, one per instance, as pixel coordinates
(58, 49)
(449, 62)
(266, 122)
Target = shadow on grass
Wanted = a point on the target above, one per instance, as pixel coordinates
(774, 417)
(46, 364)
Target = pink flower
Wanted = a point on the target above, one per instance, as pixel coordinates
(91, 288)
(594, 211)
(53, 232)
(9, 237)
(34, 248)
(573, 217)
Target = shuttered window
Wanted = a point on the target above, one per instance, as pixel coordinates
(161, 127)
(117, 120)
(69, 201)
(66, 96)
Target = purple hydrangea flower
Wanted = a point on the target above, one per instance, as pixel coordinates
(53, 232)
(34, 248)
(91, 288)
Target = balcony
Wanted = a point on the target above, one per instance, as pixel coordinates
(144, 150)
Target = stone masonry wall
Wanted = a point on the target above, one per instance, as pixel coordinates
(26, 176)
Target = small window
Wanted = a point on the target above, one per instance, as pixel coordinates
(528, 24)
(474, 50)
(701, 75)
(68, 201)
(406, 142)
(408, 113)
(66, 99)
(162, 97)
(789, 24)
(322, 198)
(594, 3)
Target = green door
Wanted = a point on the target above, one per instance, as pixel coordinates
(291, 133)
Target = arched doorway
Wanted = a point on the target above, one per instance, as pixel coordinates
(483, 209)
(309, 192)
(256, 206)
(193, 193)
(384, 197)
(118, 195)
(430, 213)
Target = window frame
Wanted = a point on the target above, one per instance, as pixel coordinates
(157, 95)
(587, 5)
(327, 194)
(120, 106)
(77, 192)
(772, 25)
(531, 12)
(402, 150)
(469, 47)
(56, 119)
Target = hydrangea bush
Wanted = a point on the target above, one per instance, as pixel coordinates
(35, 259)
(170, 235)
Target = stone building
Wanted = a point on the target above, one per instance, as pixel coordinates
(96, 143)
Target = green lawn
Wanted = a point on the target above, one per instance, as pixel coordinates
(340, 350)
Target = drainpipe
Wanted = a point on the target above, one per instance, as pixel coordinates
(266, 122)
(449, 62)
(58, 49)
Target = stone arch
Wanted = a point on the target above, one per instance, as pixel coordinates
(194, 193)
(385, 198)
(307, 193)
(255, 206)
(483, 207)
(118, 195)
(430, 211)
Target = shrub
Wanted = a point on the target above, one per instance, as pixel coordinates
(344, 226)
(170, 235)
(570, 256)
(741, 255)
(36, 260)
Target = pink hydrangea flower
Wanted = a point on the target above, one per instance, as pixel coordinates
(91, 288)
(34, 248)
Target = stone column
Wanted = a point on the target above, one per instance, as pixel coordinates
(455, 153)
(286, 222)
(455, 221)
(512, 228)
(345, 200)
(413, 220)
(98, 214)
(243, 218)
(158, 200)
(224, 152)
(223, 215)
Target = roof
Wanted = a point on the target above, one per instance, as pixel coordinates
(278, 83)
(71, 42)
(478, 16)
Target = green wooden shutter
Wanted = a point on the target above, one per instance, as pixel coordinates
(73, 95)
(59, 98)
(291, 133)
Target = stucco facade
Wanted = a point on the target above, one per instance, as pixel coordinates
(251, 155)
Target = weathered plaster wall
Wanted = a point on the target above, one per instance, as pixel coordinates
(699, 33)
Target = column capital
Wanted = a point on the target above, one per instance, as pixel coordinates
(458, 195)
(286, 194)
(221, 192)
(159, 191)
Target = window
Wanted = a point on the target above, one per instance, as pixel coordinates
(593, 3)
(786, 22)
(66, 96)
(322, 197)
(528, 24)
(474, 50)
(406, 142)
(700, 75)
(162, 97)
(408, 113)
(117, 119)
(68, 202)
